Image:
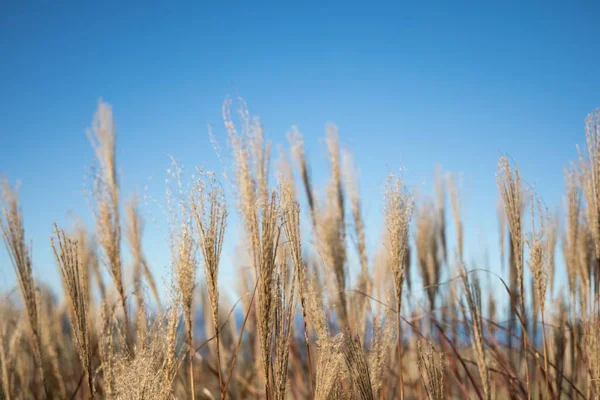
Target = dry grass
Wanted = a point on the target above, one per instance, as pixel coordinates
(75, 282)
(319, 314)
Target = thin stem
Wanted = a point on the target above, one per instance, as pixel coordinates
(400, 377)
(545, 344)
(239, 343)
(217, 334)
(191, 358)
(524, 340)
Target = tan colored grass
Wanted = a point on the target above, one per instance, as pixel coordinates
(358, 368)
(4, 360)
(285, 306)
(13, 235)
(511, 192)
(559, 343)
(440, 196)
(381, 349)
(89, 257)
(509, 184)
(589, 164)
(330, 364)
(210, 213)
(398, 212)
(184, 261)
(259, 208)
(428, 249)
(359, 301)
(592, 343)
(75, 282)
(572, 210)
(352, 316)
(299, 154)
(102, 136)
(472, 291)
(49, 315)
(431, 365)
(134, 228)
(330, 230)
(502, 231)
(291, 227)
(151, 372)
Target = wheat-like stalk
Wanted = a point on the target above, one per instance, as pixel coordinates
(509, 184)
(428, 249)
(539, 260)
(352, 316)
(284, 317)
(210, 213)
(102, 136)
(329, 367)
(75, 282)
(472, 292)
(358, 368)
(331, 229)
(184, 261)
(398, 211)
(590, 176)
(572, 209)
(260, 211)
(13, 235)
(431, 366)
(511, 192)
(363, 285)
(291, 226)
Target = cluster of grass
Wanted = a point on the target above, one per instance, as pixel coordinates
(304, 331)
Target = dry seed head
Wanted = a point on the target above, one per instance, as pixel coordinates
(572, 210)
(102, 137)
(184, 260)
(431, 366)
(133, 230)
(299, 154)
(330, 365)
(74, 278)
(151, 372)
(511, 192)
(13, 235)
(358, 368)
(538, 252)
(585, 256)
(210, 213)
(398, 211)
(455, 201)
(560, 340)
(379, 355)
(428, 249)
(590, 176)
(591, 335)
(440, 191)
(331, 230)
(364, 281)
(316, 308)
(472, 292)
(266, 301)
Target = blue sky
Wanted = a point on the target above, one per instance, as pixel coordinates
(408, 85)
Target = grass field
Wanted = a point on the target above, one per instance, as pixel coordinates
(299, 328)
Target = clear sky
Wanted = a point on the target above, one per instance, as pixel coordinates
(409, 86)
